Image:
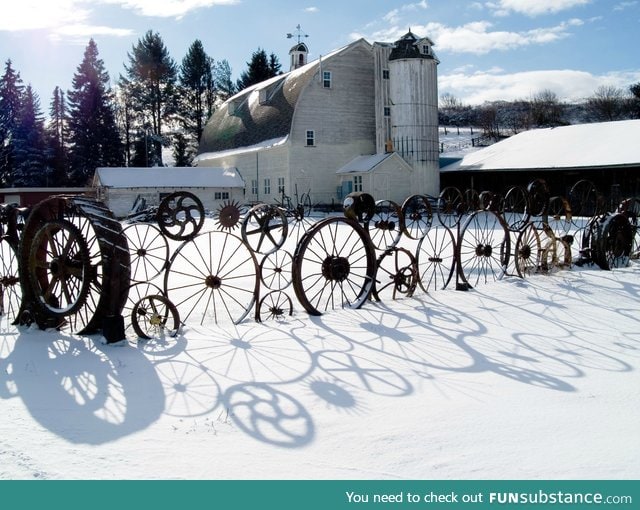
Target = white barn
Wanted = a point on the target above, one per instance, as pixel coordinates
(362, 118)
(118, 188)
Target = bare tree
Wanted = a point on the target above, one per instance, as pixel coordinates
(545, 108)
(607, 103)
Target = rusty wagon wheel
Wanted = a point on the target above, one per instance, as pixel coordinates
(396, 274)
(538, 197)
(585, 200)
(559, 216)
(556, 255)
(528, 251)
(484, 248)
(276, 269)
(75, 223)
(180, 216)
(385, 225)
(212, 277)
(418, 216)
(615, 242)
(515, 208)
(148, 250)
(10, 290)
(436, 256)
(265, 228)
(334, 266)
(451, 207)
(274, 305)
(155, 316)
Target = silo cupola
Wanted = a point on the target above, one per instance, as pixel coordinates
(411, 46)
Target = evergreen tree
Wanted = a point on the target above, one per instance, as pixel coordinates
(57, 139)
(260, 68)
(182, 153)
(93, 134)
(11, 92)
(151, 80)
(222, 79)
(29, 148)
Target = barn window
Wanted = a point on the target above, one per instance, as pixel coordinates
(267, 186)
(387, 111)
(326, 79)
(385, 74)
(311, 138)
(221, 195)
(254, 186)
(357, 183)
(280, 184)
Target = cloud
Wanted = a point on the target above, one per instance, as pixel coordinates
(80, 33)
(533, 7)
(625, 5)
(312, 9)
(167, 8)
(568, 84)
(37, 15)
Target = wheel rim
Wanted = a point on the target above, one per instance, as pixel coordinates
(10, 289)
(148, 249)
(385, 226)
(155, 317)
(265, 229)
(527, 251)
(436, 259)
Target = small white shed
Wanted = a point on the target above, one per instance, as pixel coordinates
(118, 188)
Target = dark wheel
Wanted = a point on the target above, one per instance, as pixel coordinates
(528, 251)
(276, 269)
(148, 250)
(10, 290)
(386, 225)
(538, 197)
(59, 268)
(180, 216)
(585, 200)
(515, 208)
(615, 243)
(417, 215)
(472, 199)
(213, 277)
(228, 215)
(484, 248)
(334, 266)
(451, 207)
(631, 209)
(396, 275)
(265, 228)
(155, 317)
(275, 305)
(436, 256)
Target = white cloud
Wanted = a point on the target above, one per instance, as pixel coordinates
(312, 9)
(35, 14)
(533, 7)
(568, 84)
(167, 8)
(625, 5)
(80, 33)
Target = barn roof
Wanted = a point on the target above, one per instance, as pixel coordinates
(597, 145)
(168, 177)
(369, 163)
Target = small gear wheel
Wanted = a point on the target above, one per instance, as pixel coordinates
(228, 215)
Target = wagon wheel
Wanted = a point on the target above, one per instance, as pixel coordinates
(275, 306)
(616, 242)
(228, 215)
(488, 201)
(180, 216)
(334, 266)
(418, 216)
(135, 293)
(59, 268)
(265, 228)
(556, 255)
(585, 200)
(397, 274)
(213, 276)
(304, 207)
(436, 255)
(155, 317)
(538, 197)
(451, 207)
(559, 216)
(275, 270)
(528, 251)
(148, 249)
(631, 209)
(386, 225)
(298, 224)
(515, 208)
(484, 248)
(10, 290)
(472, 199)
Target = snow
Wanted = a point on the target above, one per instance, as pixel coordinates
(605, 144)
(533, 379)
(364, 163)
(169, 177)
(267, 144)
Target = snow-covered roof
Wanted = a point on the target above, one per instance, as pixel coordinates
(598, 145)
(368, 163)
(169, 177)
(267, 144)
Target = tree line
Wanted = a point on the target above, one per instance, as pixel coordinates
(542, 109)
(155, 104)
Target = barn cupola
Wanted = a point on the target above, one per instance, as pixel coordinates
(412, 46)
(299, 52)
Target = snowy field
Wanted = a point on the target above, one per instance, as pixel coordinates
(535, 379)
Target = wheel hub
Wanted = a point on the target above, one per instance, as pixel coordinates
(213, 282)
(483, 250)
(336, 268)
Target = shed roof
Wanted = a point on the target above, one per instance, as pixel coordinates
(368, 163)
(598, 145)
(168, 177)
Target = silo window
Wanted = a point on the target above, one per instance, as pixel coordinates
(425, 49)
(326, 79)
(385, 74)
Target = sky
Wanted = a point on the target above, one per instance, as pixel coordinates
(488, 50)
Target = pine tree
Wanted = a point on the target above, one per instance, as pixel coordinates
(260, 68)
(93, 134)
(182, 153)
(29, 147)
(151, 79)
(56, 134)
(222, 79)
(11, 92)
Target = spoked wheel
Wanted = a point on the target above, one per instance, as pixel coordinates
(528, 251)
(472, 199)
(385, 226)
(436, 256)
(135, 293)
(334, 266)
(148, 249)
(155, 317)
(265, 228)
(276, 269)
(275, 305)
(538, 197)
(10, 290)
(631, 209)
(484, 248)
(418, 216)
(615, 243)
(451, 207)
(298, 226)
(559, 216)
(396, 276)
(213, 277)
(515, 208)
(556, 255)
(584, 199)
(180, 216)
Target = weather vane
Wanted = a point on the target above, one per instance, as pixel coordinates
(299, 34)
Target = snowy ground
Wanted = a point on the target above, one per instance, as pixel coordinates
(534, 379)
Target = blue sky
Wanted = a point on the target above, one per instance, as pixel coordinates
(489, 50)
